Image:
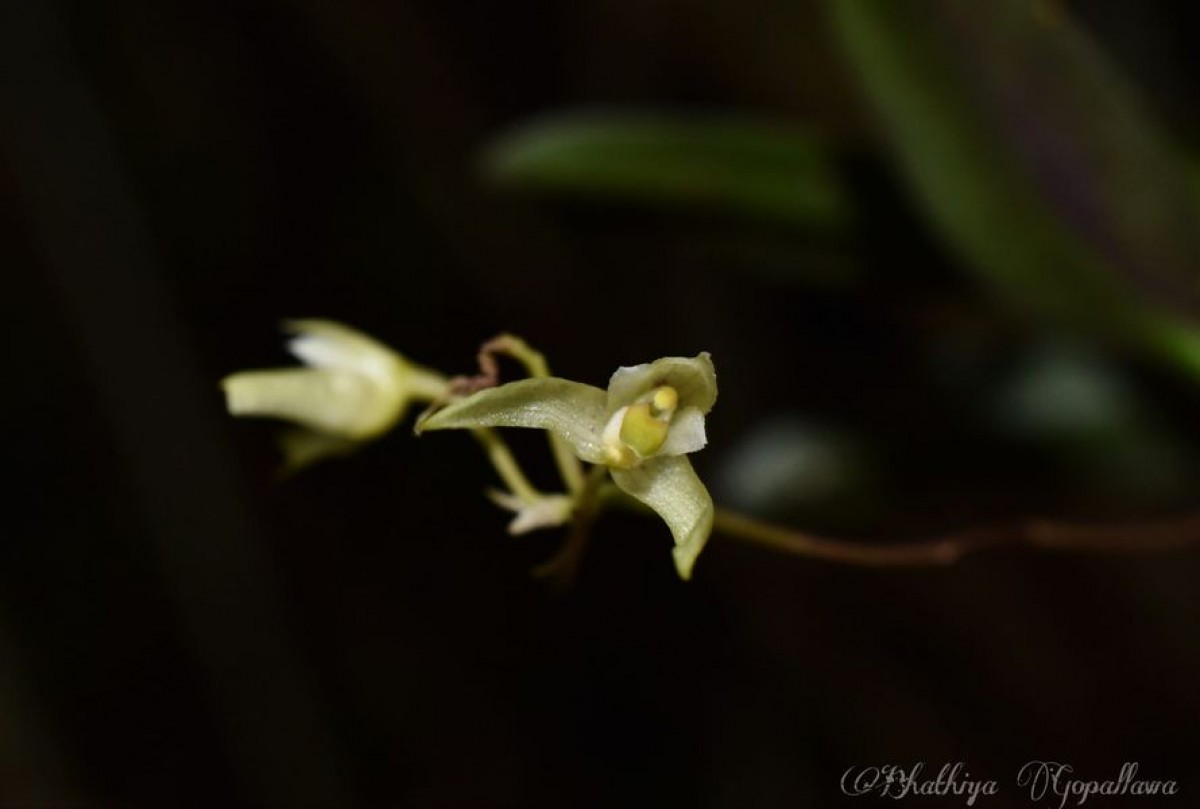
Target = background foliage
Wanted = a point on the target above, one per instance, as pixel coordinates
(943, 254)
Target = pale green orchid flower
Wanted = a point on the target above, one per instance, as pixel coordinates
(642, 428)
(353, 389)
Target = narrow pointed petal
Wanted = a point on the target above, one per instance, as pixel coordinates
(571, 410)
(670, 486)
(693, 378)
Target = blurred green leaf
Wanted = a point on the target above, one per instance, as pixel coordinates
(1036, 161)
(720, 163)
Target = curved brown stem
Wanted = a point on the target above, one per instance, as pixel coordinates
(1042, 534)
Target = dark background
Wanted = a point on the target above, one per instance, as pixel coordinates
(180, 627)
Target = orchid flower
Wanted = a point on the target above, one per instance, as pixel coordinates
(351, 390)
(641, 429)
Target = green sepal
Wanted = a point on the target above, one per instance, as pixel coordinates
(572, 410)
(342, 403)
(670, 487)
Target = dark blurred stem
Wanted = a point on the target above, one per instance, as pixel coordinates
(1128, 538)
(562, 568)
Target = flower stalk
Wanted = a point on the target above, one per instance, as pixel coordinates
(534, 362)
(506, 466)
(1125, 538)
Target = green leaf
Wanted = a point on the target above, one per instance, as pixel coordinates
(671, 488)
(1037, 162)
(572, 410)
(721, 163)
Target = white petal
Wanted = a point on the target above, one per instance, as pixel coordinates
(670, 487)
(687, 433)
(547, 511)
(326, 344)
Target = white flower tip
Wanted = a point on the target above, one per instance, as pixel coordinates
(330, 345)
(547, 511)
